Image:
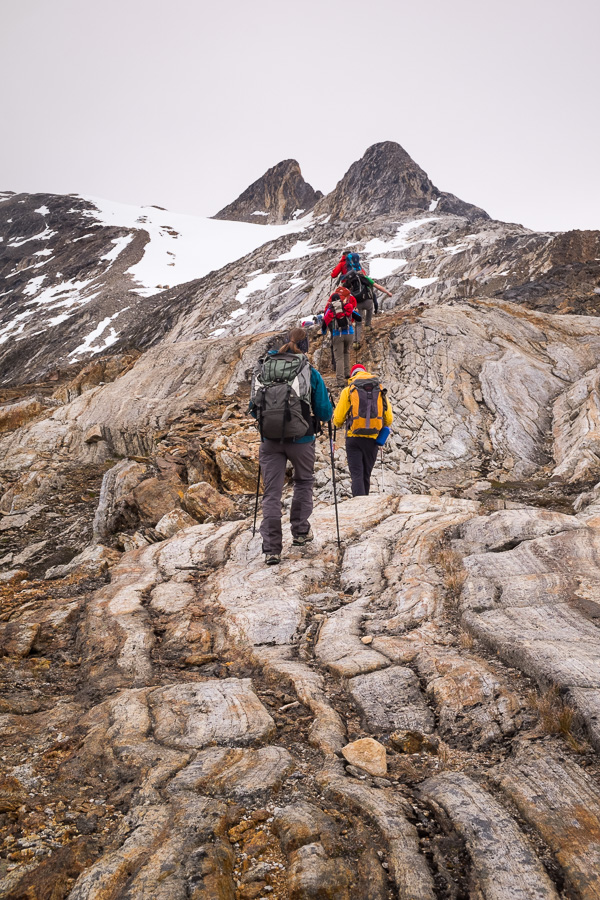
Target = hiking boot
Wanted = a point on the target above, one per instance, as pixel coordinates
(302, 539)
(272, 559)
(356, 345)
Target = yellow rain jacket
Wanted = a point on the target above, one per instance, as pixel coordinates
(349, 411)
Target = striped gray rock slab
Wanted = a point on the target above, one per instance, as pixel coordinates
(327, 731)
(576, 413)
(391, 699)
(304, 823)
(339, 647)
(560, 800)
(312, 874)
(241, 774)
(506, 528)
(147, 829)
(164, 850)
(524, 604)
(474, 704)
(118, 631)
(503, 860)
(226, 711)
(413, 590)
(408, 867)
(268, 605)
(364, 563)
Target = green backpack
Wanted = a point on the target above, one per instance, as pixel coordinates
(281, 396)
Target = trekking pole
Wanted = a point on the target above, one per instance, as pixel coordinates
(382, 481)
(256, 502)
(337, 521)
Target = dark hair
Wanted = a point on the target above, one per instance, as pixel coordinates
(296, 337)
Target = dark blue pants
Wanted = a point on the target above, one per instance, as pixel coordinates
(362, 454)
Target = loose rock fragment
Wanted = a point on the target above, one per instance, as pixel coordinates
(368, 754)
(203, 500)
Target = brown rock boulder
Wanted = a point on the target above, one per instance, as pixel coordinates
(155, 497)
(238, 474)
(13, 415)
(203, 500)
(173, 522)
(413, 742)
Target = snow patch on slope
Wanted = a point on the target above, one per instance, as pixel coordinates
(108, 341)
(183, 248)
(380, 267)
(259, 283)
(416, 282)
(120, 244)
(300, 249)
(400, 241)
(44, 235)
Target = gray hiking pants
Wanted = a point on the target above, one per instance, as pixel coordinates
(341, 351)
(366, 313)
(273, 457)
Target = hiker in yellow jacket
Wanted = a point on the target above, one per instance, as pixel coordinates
(365, 409)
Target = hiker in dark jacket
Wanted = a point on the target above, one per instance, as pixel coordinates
(361, 447)
(366, 304)
(274, 455)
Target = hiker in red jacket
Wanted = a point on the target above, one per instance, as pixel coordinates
(343, 266)
(339, 316)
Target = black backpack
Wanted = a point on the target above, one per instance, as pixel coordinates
(359, 286)
(281, 395)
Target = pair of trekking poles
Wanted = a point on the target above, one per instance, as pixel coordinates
(337, 521)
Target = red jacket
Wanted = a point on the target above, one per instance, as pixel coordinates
(342, 268)
(349, 306)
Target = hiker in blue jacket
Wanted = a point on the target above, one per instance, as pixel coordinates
(276, 449)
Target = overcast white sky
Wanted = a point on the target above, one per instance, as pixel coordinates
(183, 103)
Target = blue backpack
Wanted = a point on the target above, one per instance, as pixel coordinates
(353, 262)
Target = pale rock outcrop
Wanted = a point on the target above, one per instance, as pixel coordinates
(503, 859)
(560, 800)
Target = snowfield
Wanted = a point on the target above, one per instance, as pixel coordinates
(181, 247)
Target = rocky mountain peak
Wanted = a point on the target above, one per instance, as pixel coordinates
(387, 181)
(279, 195)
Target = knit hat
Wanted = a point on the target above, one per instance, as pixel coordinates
(357, 368)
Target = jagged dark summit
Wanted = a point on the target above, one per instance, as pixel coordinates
(278, 196)
(387, 181)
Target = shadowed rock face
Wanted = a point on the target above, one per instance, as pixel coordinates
(274, 198)
(386, 181)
